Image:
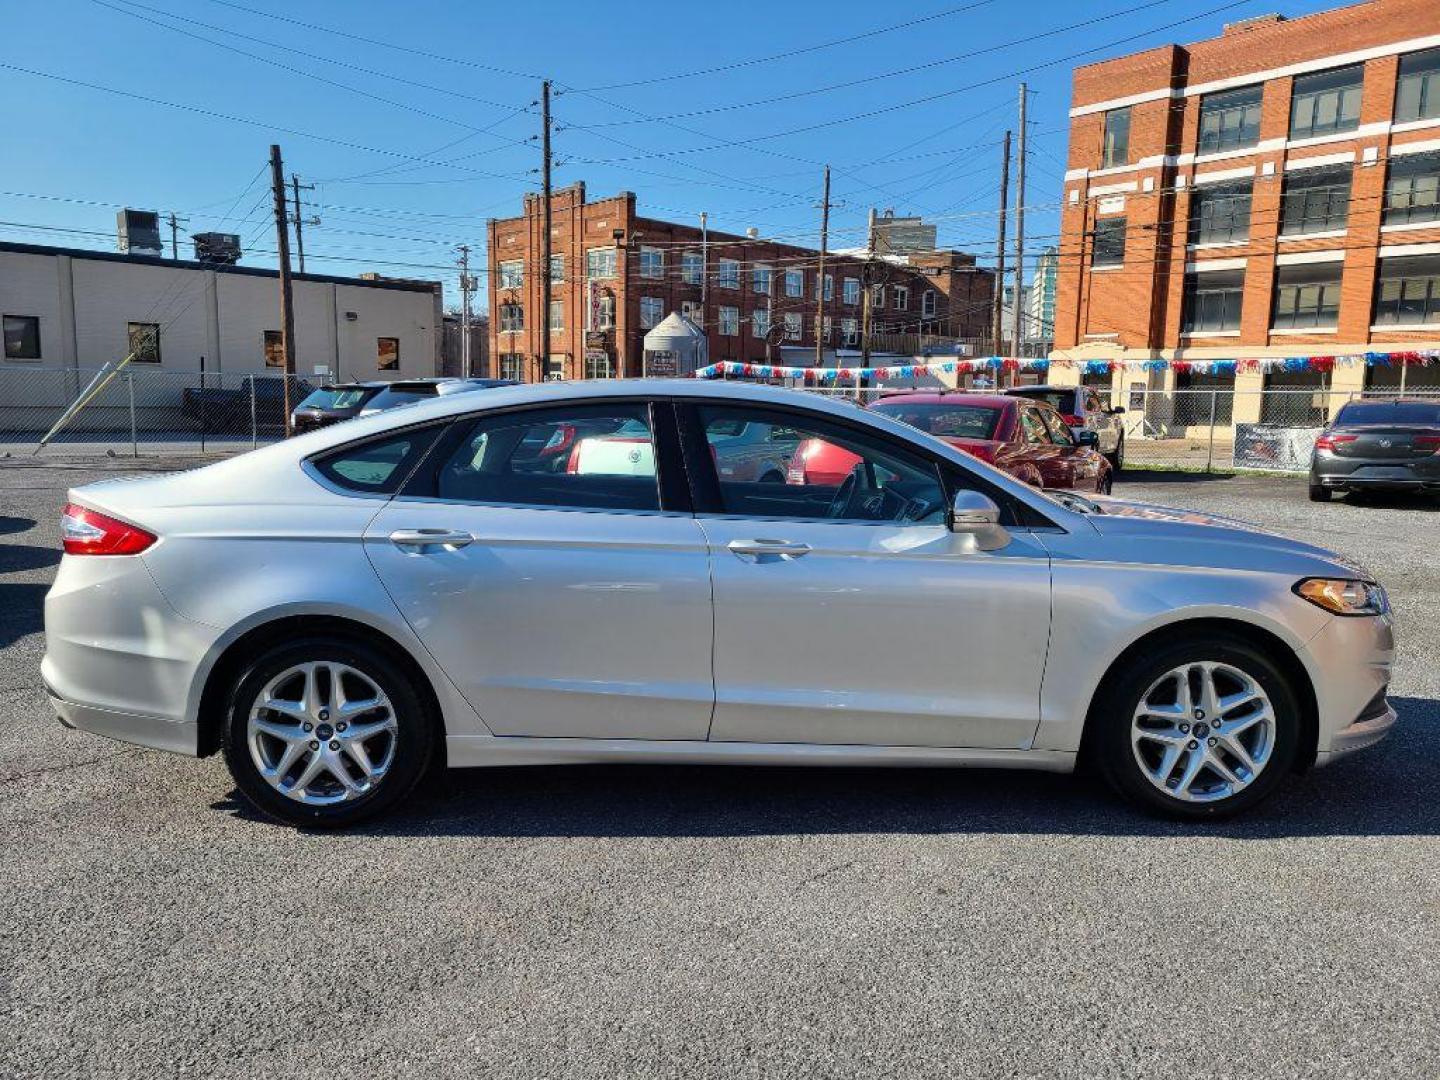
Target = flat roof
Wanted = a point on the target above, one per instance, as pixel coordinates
(190, 264)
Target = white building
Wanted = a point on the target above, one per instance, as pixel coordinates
(67, 308)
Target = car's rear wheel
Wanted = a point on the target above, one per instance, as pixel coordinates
(323, 733)
(1320, 493)
(1198, 729)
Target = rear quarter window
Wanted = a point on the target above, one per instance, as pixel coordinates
(377, 466)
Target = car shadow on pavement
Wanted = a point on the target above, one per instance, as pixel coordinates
(14, 557)
(9, 525)
(1393, 500)
(1389, 790)
(22, 610)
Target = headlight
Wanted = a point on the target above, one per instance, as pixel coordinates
(1344, 596)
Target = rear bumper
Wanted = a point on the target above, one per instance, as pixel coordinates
(1328, 470)
(177, 736)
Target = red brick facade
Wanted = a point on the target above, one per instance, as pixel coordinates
(650, 269)
(1139, 305)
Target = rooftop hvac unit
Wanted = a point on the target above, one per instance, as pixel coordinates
(217, 247)
(139, 232)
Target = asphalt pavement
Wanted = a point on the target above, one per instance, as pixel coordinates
(688, 922)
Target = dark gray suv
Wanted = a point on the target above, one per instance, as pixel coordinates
(1392, 444)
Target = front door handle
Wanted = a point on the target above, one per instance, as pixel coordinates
(426, 540)
(782, 549)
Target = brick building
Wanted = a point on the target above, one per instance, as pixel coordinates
(616, 274)
(1270, 192)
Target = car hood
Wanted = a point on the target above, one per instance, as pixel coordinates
(1176, 536)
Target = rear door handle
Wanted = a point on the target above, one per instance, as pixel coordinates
(425, 540)
(783, 549)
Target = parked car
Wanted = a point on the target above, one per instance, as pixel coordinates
(407, 589)
(408, 391)
(1029, 440)
(1389, 445)
(331, 404)
(231, 408)
(1084, 409)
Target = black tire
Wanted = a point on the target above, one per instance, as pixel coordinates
(1117, 459)
(1107, 486)
(1320, 493)
(415, 738)
(1115, 707)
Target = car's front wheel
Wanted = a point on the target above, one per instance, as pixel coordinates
(323, 733)
(1198, 729)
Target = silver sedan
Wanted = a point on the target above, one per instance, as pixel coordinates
(442, 585)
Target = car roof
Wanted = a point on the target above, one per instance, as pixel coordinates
(964, 397)
(368, 384)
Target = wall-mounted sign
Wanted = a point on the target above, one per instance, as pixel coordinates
(1111, 204)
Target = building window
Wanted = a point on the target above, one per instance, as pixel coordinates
(512, 366)
(877, 296)
(1412, 192)
(795, 283)
(605, 313)
(1212, 301)
(1115, 150)
(759, 322)
(692, 310)
(555, 367)
(1307, 296)
(1230, 120)
(512, 274)
(1220, 213)
(1217, 391)
(512, 318)
(597, 365)
(692, 268)
(652, 310)
(927, 304)
(1417, 97)
(387, 353)
(902, 298)
(272, 347)
(144, 338)
(652, 262)
(22, 337)
(826, 330)
(849, 331)
(728, 276)
(729, 322)
(851, 290)
(557, 314)
(600, 263)
(1315, 200)
(1326, 102)
(760, 280)
(1408, 293)
(557, 267)
(1109, 247)
(793, 328)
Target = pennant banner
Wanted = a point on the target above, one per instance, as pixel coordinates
(741, 370)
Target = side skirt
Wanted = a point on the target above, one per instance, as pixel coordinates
(479, 751)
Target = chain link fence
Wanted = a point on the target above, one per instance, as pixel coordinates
(141, 412)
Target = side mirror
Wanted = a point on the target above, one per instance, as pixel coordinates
(974, 514)
(1087, 438)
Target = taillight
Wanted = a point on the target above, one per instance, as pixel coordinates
(1073, 421)
(1329, 442)
(89, 532)
(1428, 442)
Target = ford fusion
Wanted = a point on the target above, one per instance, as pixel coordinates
(581, 573)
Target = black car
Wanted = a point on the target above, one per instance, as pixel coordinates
(333, 403)
(1391, 445)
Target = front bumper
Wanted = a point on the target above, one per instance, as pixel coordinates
(1350, 664)
(156, 732)
(1365, 731)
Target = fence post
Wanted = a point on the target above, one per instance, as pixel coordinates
(254, 430)
(134, 437)
(1210, 453)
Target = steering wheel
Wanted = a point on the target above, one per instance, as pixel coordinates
(840, 504)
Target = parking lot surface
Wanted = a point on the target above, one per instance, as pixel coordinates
(684, 922)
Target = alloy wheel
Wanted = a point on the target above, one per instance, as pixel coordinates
(1203, 731)
(322, 732)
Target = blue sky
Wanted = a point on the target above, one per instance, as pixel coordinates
(730, 110)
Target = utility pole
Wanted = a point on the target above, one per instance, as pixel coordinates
(299, 222)
(820, 274)
(867, 296)
(704, 262)
(1019, 229)
(466, 285)
(544, 230)
(287, 308)
(997, 330)
(174, 235)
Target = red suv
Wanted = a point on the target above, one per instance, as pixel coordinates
(1028, 439)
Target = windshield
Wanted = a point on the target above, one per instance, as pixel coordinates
(338, 397)
(949, 420)
(1062, 401)
(1389, 412)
